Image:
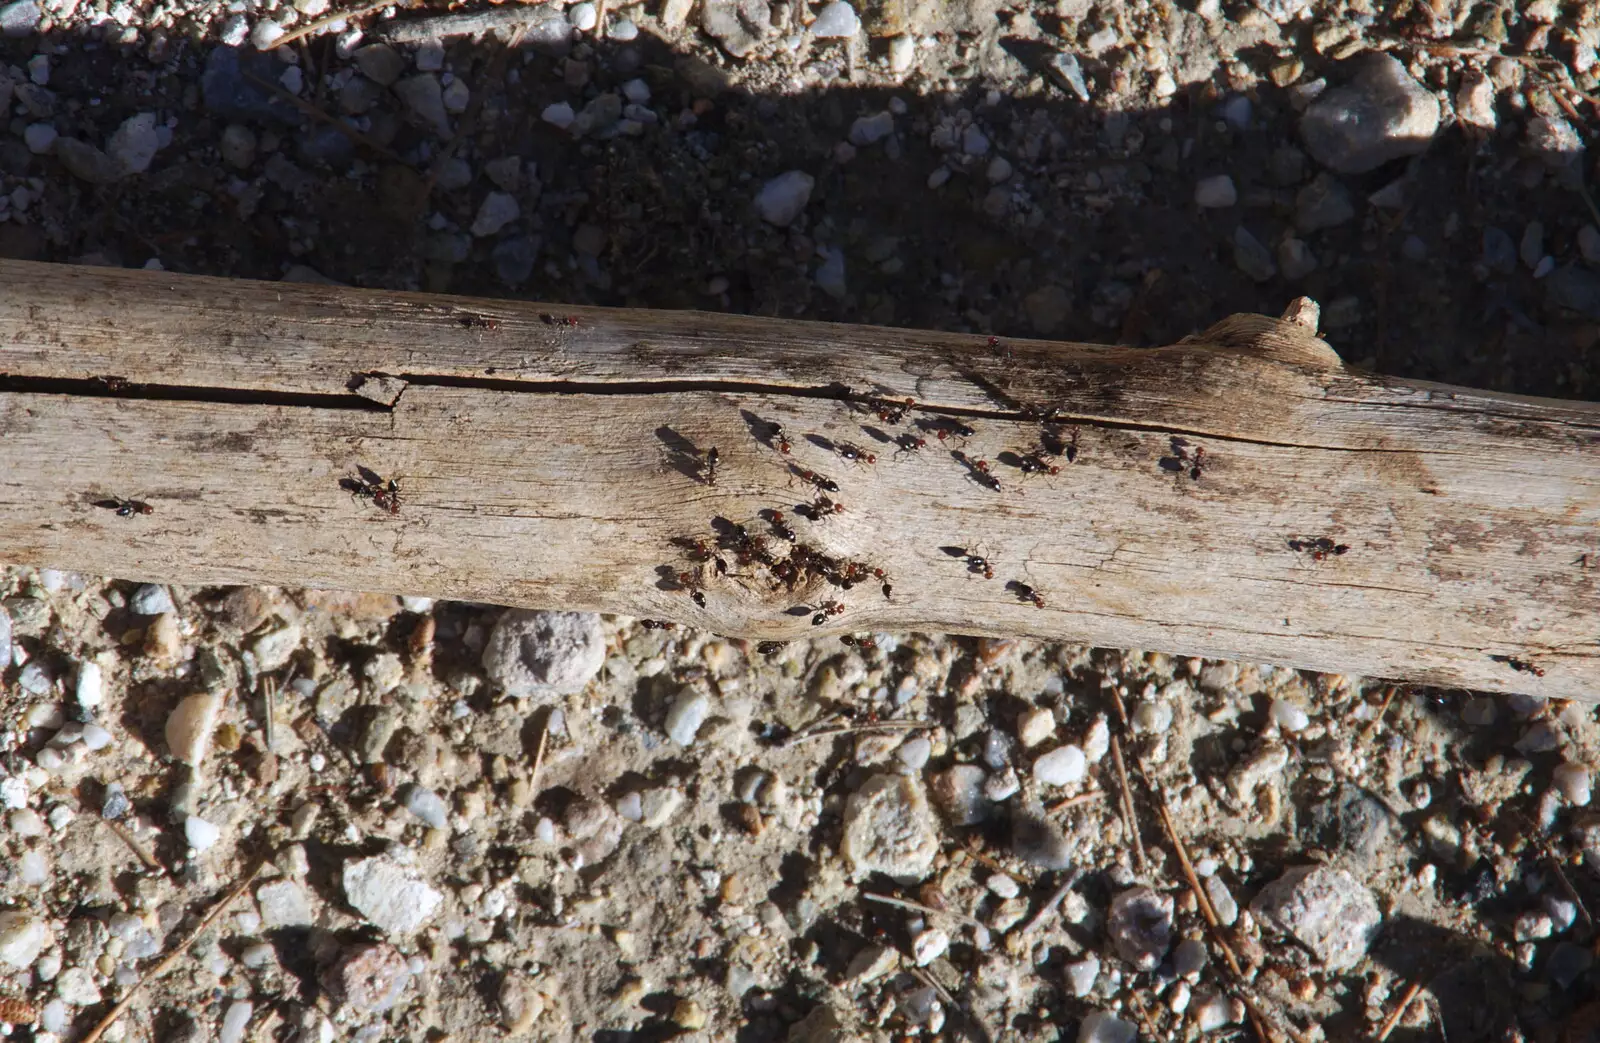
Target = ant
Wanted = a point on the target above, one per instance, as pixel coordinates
(553, 320)
(1319, 547)
(125, 508)
(778, 440)
(1181, 458)
(854, 453)
(111, 383)
(1034, 463)
(1521, 666)
(657, 624)
(944, 427)
(1026, 593)
(893, 412)
(821, 481)
(978, 565)
(372, 486)
(712, 459)
(1050, 444)
(691, 582)
(865, 644)
(910, 443)
(770, 647)
(977, 470)
(820, 508)
(779, 529)
(478, 322)
(695, 547)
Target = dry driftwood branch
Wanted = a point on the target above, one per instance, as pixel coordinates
(1240, 494)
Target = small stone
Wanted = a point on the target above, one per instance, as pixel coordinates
(1140, 926)
(783, 198)
(1381, 115)
(283, 903)
(190, 725)
(235, 1021)
(559, 114)
(1069, 70)
(544, 654)
(380, 63)
(1532, 926)
(1573, 781)
(902, 54)
(1290, 716)
(1101, 1027)
(133, 147)
(367, 979)
(623, 30)
(998, 171)
(497, 210)
(424, 98)
(273, 649)
(1540, 737)
(869, 130)
(689, 1015)
(90, 690)
(1189, 958)
(738, 25)
(583, 16)
(1568, 963)
(238, 146)
(1211, 1011)
(928, 946)
(1251, 257)
(1152, 717)
(1040, 842)
(427, 806)
(22, 938)
(1531, 246)
(1322, 203)
(974, 142)
(1326, 910)
(1060, 767)
(150, 599)
(456, 97)
(870, 964)
(200, 834)
(1034, 727)
(913, 754)
(392, 897)
(688, 711)
(19, 18)
(889, 829)
(1082, 975)
(836, 21)
(1552, 140)
(1588, 246)
(958, 793)
(39, 137)
(1215, 193)
(86, 162)
(1295, 258)
(657, 806)
(1475, 101)
(54, 1017)
(76, 987)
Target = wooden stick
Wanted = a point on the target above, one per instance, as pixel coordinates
(1239, 495)
(901, 903)
(166, 963)
(1399, 1012)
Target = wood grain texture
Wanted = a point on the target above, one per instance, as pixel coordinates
(552, 464)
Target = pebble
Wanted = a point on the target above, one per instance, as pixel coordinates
(830, 274)
(1381, 115)
(1140, 926)
(133, 146)
(1563, 912)
(1475, 101)
(1060, 767)
(1290, 716)
(1326, 910)
(1003, 885)
(367, 979)
(22, 937)
(889, 828)
(902, 54)
(657, 806)
(424, 98)
(497, 210)
(687, 713)
(1568, 963)
(999, 170)
(55, 1017)
(636, 91)
(1530, 248)
(559, 114)
(238, 146)
(1588, 246)
(256, 956)
(1040, 842)
(1295, 259)
(958, 792)
(76, 986)
(283, 903)
(913, 754)
(1189, 958)
(1035, 726)
(1541, 737)
(150, 599)
(456, 96)
(630, 806)
(871, 963)
(783, 198)
(235, 1021)
(19, 18)
(1102, 1027)
(1215, 193)
(36, 679)
(115, 804)
(427, 806)
(1479, 711)
(1152, 718)
(1251, 257)
(583, 16)
(974, 142)
(1097, 740)
(928, 946)
(200, 834)
(1553, 140)
(1323, 202)
(273, 649)
(1082, 975)
(26, 823)
(392, 897)
(5, 638)
(380, 63)
(545, 654)
(1573, 781)
(869, 130)
(90, 689)
(1212, 1012)
(190, 725)
(623, 30)
(39, 137)
(836, 21)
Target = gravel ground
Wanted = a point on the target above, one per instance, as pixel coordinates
(473, 824)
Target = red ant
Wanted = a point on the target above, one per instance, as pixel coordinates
(552, 320)
(823, 482)
(910, 443)
(779, 529)
(977, 470)
(694, 546)
(1181, 458)
(1026, 593)
(125, 508)
(865, 644)
(1521, 666)
(372, 486)
(690, 582)
(1319, 547)
(777, 439)
(893, 412)
(944, 427)
(657, 624)
(1034, 463)
(854, 453)
(978, 565)
(478, 321)
(820, 508)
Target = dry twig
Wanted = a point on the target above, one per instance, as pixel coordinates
(1377, 720)
(1053, 901)
(1080, 799)
(311, 28)
(901, 903)
(1399, 1012)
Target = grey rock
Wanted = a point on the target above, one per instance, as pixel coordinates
(958, 793)
(427, 806)
(1140, 926)
(1069, 71)
(114, 804)
(135, 143)
(367, 979)
(238, 146)
(1568, 963)
(1322, 203)
(497, 210)
(533, 653)
(1557, 145)
(1531, 247)
(783, 198)
(380, 63)
(5, 638)
(359, 94)
(229, 94)
(380, 729)
(505, 172)
(1039, 842)
(19, 18)
(738, 25)
(151, 599)
(889, 828)
(87, 163)
(836, 21)
(1252, 256)
(283, 903)
(514, 259)
(1380, 115)
(869, 130)
(600, 114)
(392, 897)
(1350, 821)
(424, 99)
(1574, 289)
(1222, 901)
(1295, 258)
(1326, 910)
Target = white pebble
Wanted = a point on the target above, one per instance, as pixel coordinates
(1215, 193)
(200, 834)
(50, 759)
(974, 142)
(1103, 1027)
(1035, 726)
(914, 753)
(1573, 781)
(623, 30)
(55, 1017)
(559, 115)
(91, 687)
(27, 823)
(902, 54)
(1152, 718)
(497, 210)
(836, 22)
(1212, 1012)
(265, 35)
(687, 714)
(1082, 975)
(34, 868)
(1289, 717)
(1097, 740)
(630, 806)
(929, 945)
(95, 737)
(999, 170)
(1060, 767)
(190, 725)
(637, 91)
(39, 137)
(21, 939)
(427, 806)
(583, 17)
(1003, 885)
(783, 198)
(235, 1021)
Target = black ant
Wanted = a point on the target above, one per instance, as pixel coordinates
(1026, 593)
(1034, 463)
(1521, 666)
(944, 427)
(977, 470)
(820, 508)
(778, 440)
(691, 582)
(1050, 444)
(770, 647)
(712, 459)
(372, 486)
(865, 644)
(657, 624)
(821, 481)
(854, 453)
(1319, 547)
(893, 412)
(477, 322)
(1182, 459)
(978, 565)
(555, 320)
(125, 508)
(779, 529)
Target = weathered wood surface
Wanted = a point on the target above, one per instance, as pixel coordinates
(552, 463)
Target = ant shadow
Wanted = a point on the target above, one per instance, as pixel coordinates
(681, 454)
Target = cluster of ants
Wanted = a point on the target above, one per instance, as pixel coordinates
(372, 487)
